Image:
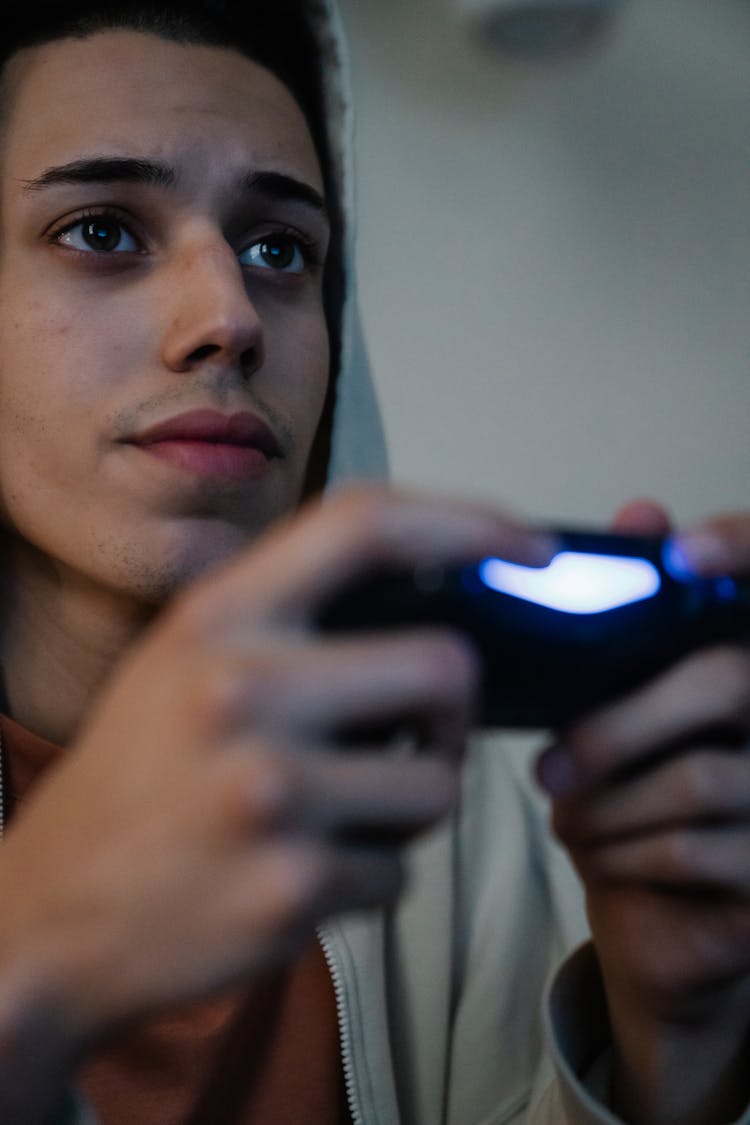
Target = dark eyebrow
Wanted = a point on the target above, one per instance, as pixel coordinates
(275, 186)
(105, 170)
(281, 188)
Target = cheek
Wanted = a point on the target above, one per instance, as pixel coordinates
(58, 357)
(50, 400)
(37, 396)
(310, 363)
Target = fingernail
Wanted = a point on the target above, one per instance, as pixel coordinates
(556, 771)
(695, 553)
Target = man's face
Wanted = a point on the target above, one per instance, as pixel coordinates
(163, 346)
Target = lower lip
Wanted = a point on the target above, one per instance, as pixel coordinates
(210, 459)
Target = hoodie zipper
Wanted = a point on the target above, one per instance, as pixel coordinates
(345, 1031)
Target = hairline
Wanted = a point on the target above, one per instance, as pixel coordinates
(9, 86)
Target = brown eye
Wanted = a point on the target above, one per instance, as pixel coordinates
(276, 252)
(279, 253)
(100, 234)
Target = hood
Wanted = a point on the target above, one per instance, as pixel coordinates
(305, 47)
(357, 447)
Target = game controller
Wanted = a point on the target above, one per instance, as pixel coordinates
(607, 614)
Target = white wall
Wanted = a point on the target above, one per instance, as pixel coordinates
(555, 263)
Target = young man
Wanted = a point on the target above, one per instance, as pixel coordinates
(171, 339)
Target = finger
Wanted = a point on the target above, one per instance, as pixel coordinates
(311, 691)
(698, 859)
(642, 517)
(371, 797)
(687, 790)
(680, 947)
(295, 567)
(263, 791)
(716, 546)
(707, 690)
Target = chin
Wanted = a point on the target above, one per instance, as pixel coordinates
(155, 578)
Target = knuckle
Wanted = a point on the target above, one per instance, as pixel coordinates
(267, 788)
(271, 789)
(443, 672)
(213, 692)
(680, 855)
(260, 682)
(452, 663)
(238, 687)
(251, 792)
(225, 690)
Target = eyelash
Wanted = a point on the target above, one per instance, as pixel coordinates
(309, 247)
(93, 215)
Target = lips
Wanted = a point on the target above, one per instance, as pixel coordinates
(216, 429)
(207, 442)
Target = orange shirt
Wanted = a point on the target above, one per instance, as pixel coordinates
(268, 1055)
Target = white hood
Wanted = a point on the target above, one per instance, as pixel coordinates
(358, 449)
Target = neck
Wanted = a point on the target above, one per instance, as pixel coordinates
(60, 638)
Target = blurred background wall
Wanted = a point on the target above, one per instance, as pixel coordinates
(554, 258)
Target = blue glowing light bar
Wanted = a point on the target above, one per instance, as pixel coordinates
(575, 582)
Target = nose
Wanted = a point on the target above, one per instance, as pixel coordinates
(212, 316)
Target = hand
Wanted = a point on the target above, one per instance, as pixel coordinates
(209, 816)
(651, 796)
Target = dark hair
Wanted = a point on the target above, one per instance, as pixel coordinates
(274, 33)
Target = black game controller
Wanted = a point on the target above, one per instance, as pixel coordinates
(607, 614)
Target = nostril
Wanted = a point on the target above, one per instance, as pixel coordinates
(249, 362)
(204, 352)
